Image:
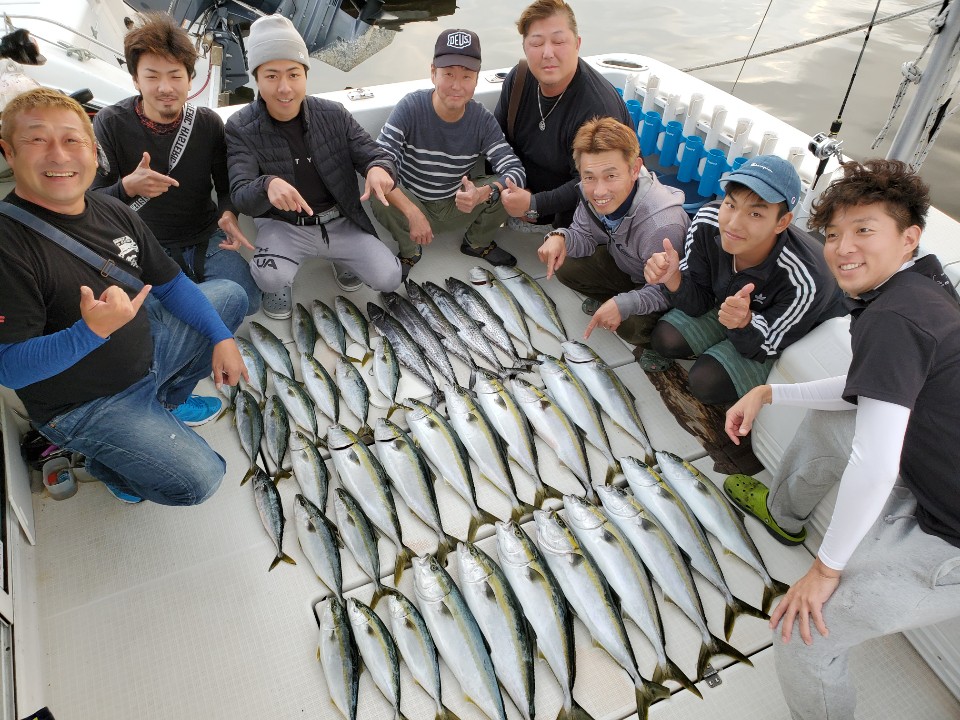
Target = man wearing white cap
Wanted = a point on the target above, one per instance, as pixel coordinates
(293, 161)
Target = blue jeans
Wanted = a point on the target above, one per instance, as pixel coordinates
(221, 264)
(130, 439)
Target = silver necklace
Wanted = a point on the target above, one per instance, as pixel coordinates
(543, 118)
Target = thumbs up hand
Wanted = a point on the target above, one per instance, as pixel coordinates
(468, 195)
(735, 311)
(515, 200)
(664, 267)
(146, 182)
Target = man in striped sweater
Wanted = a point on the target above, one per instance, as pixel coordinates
(435, 137)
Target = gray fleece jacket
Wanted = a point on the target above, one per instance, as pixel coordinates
(656, 213)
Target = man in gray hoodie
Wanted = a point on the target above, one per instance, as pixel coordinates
(623, 218)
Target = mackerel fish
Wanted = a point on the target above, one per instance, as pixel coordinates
(276, 429)
(467, 329)
(666, 564)
(249, 421)
(328, 327)
(445, 450)
(304, 331)
(422, 335)
(557, 430)
(720, 518)
(588, 594)
(362, 475)
(417, 649)
(655, 495)
(444, 329)
(338, 656)
(536, 304)
(318, 540)
(309, 469)
(386, 371)
(408, 352)
(271, 349)
(457, 636)
(321, 387)
(358, 535)
(609, 391)
(271, 514)
(500, 617)
(377, 650)
(256, 366)
(503, 303)
(355, 393)
(545, 608)
(483, 445)
(487, 320)
(407, 468)
(298, 404)
(624, 571)
(354, 324)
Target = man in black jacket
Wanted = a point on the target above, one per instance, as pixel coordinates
(293, 161)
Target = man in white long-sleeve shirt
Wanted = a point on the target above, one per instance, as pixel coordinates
(890, 559)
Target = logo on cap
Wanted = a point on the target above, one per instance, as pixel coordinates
(459, 40)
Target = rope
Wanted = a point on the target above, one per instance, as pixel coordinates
(821, 38)
(750, 49)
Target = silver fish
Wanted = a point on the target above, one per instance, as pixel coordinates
(378, 651)
(249, 420)
(417, 649)
(271, 514)
(354, 324)
(407, 468)
(536, 304)
(438, 322)
(503, 303)
(408, 352)
(338, 656)
(230, 393)
(273, 351)
(304, 331)
(298, 404)
(318, 540)
(497, 611)
(487, 320)
(320, 387)
(665, 562)
(720, 518)
(467, 328)
(624, 571)
(445, 450)
(573, 398)
(355, 393)
(358, 535)
(609, 391)
(386, 371)
(553, 425)
(673, 514)
(256, 366)
(545, 608)
(457, 635)
(309, 469)
(483, 445)
(422, 335)
(362, 475)
(276, 429)
(588, 594)
(329, 327)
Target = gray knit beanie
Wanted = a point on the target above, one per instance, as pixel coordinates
(274, 38)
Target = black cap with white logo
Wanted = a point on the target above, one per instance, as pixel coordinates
(457, 47)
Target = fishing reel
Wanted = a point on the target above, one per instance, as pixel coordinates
(824, 146)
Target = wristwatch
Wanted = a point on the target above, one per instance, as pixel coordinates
(494, 195)
(531, 215)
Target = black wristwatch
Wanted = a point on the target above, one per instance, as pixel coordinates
(494, 195)
(531, 215)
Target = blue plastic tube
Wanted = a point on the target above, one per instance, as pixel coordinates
(672, 137)
(692, 152)
(652, 127)
(713, 168)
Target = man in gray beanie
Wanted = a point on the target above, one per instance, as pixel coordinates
(292, 162)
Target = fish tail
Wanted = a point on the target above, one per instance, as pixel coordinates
(647, 693)
(284, 557)
(357, 361)
(574, 712)
(519, 510)
(248, 474)
(648, 454)
(590, 493)
(612, 471)
(481, 518)
(366, 356)
(445, 545)
(365, 433)
(547, 491)
(393, 409)
(773, 588)
(667, 669)
(735, 608)
(444, 713)
(404, 556)
(436, 397)
(281, 474)
(716, 646)
(378, 592)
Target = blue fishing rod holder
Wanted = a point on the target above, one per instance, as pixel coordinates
(690, 160)
(635, 108)
(672, 138)
(650, 133)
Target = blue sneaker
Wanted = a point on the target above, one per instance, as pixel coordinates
(122, 495)
(197, 410)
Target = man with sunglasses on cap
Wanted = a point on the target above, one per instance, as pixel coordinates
(436, 137)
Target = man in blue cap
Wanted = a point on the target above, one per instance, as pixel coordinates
(749, 284)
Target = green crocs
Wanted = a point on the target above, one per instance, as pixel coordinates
(750, 495)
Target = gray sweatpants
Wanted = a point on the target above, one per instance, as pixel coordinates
(898, 578)
(281, 247)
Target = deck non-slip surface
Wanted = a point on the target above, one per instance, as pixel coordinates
(155, 613)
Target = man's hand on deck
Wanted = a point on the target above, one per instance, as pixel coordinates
(805, 600)
(112, 310)
(235, 237)
(227, 363)
(378, 182)
(740, 417)
(607, 316)
(553, 252)
(664, 267)
(735, 311)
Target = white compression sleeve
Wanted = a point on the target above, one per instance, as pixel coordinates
(824, 394)
(866, 483)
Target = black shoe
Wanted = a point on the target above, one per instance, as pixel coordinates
(491, 253)
(407, 263)
(590, 306)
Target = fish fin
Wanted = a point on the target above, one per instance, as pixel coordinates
(479, 520)
(648, 693)
(444, 713)
(436, 398)
(366, 356)
(612, 472)
(249, 474)
(521, 509)
(735, 608)
(282, 556)
(669, 670)
(574, 713)
(445, 545)
(379, 591)
(281, 474)
(393, 409)
(716, 646)
(403, 557)
(549, 492)
(649, 458)
(773, 589)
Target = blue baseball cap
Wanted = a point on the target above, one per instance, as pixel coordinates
(769, 176)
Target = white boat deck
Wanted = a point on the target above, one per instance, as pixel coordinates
(151, 612)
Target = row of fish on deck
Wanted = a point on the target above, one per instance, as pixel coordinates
(596, 560)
